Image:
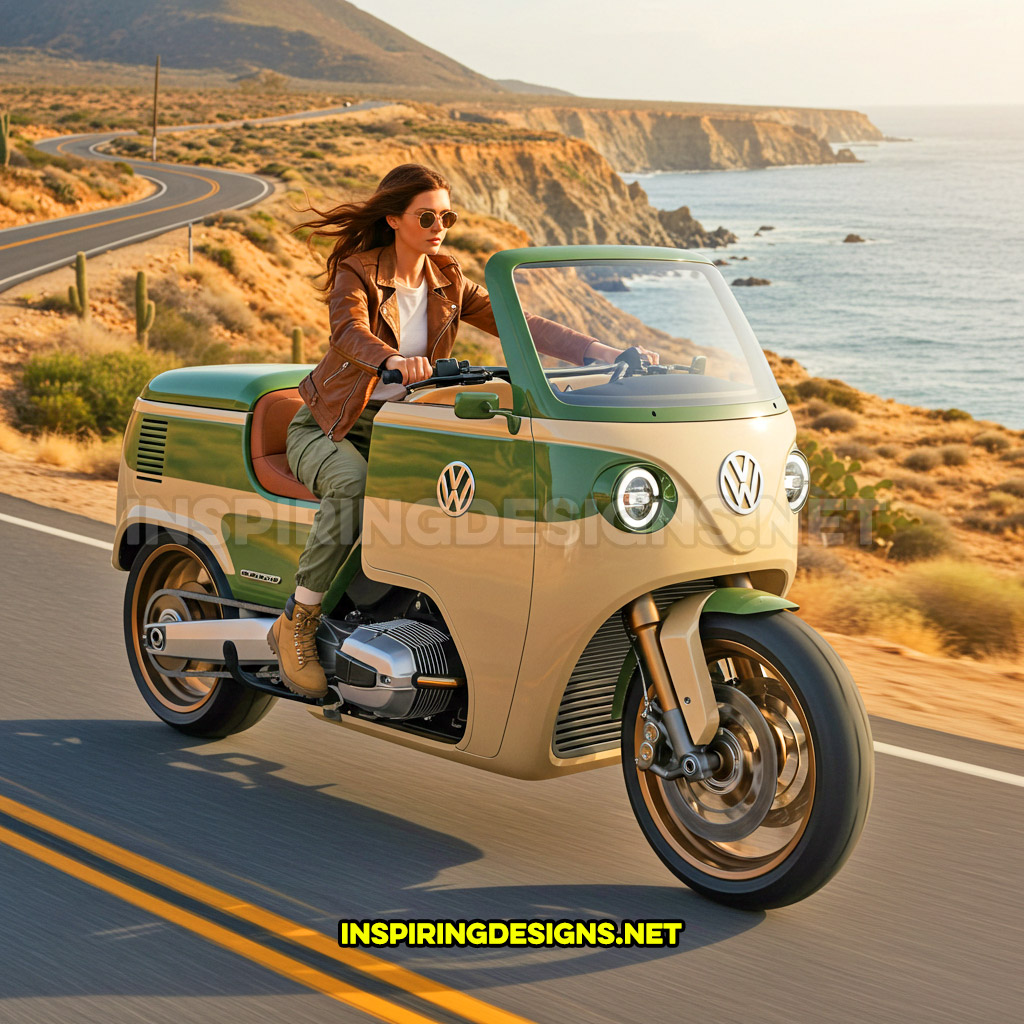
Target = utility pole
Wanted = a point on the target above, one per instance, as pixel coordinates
(156, 89)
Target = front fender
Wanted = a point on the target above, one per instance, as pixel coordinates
(732, 600)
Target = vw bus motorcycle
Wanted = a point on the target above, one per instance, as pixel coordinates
(558, 566)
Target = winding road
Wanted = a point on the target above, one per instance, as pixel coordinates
(184, 194)
(147, 876)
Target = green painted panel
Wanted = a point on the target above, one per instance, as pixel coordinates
(267, 546)
(572, 481)
(622, 684)
(405, 463)
(744, 601)
(235, 386)
(209, 453)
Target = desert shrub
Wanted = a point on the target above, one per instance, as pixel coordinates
(913, 482)
(1015, 456)
(921, 540)
(11, 441)
(1013, 485)
(274, 169)
(814, 560)
(863, 608)
(74, 393)
(888, 451)
(229, 309)
(992, 441)
(951, 415)
(1002, 502)
(815, 407)
(221, 255)
(838, 421)
(56, 303)
(262, 238)
(979, 612)
(61, 189)
(954, 454)
(834, 391)
(472, 240)
(921, 460)
(187, 336)
(855, 450)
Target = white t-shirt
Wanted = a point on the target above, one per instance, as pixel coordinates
(412, 333)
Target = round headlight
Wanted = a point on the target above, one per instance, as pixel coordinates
(798, 480)
(637, 498)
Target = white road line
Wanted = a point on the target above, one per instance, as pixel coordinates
(954, 766)
(53, 532)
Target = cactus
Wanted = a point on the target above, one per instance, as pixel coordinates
(836, 495)
(5, 135)
(297, 354)
(144, 310)
(78, 297)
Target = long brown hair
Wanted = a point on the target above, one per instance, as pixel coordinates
(362, 225)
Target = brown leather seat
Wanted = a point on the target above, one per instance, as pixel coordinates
(268, 443)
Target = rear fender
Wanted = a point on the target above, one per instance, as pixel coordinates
(679, 636)
(143, 522)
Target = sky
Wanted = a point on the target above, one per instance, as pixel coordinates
(792, 52)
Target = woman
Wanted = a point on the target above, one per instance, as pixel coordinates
(395, 303)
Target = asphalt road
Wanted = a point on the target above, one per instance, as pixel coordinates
(315, 823)
(184, 194)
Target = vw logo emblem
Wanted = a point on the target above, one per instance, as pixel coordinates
(455, 488)
(740, 482)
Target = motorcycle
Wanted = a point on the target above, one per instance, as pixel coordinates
(560, 567)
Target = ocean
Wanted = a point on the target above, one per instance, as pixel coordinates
(929, 310)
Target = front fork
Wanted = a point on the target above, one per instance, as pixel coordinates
(689, 709)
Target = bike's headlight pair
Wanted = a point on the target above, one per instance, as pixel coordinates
(798, 480)
(637, 498)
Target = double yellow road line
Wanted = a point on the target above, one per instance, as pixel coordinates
(444, 998)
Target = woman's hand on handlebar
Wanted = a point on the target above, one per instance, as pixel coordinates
(412, 368)
(607, 354)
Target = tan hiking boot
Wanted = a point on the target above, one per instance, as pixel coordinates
(292, 638)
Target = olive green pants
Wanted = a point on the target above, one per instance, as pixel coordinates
(335, 471)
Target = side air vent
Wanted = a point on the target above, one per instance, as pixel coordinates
(584, 724)
(149, 452)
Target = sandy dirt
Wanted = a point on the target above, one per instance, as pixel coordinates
(981, 700)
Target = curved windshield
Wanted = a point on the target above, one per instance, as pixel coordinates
(691, 343)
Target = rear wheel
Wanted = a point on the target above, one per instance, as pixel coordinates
(789, 801)
(180, 691)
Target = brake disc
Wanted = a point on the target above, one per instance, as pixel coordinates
(732, 803)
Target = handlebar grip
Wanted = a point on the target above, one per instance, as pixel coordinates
(391, 377)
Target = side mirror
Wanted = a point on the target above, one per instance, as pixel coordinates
(483, 405)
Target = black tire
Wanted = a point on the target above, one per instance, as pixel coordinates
(211, 708)
(823, 771)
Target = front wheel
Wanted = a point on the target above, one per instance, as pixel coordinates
(787, 805)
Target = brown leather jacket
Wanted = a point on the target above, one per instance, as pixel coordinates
(365, 331)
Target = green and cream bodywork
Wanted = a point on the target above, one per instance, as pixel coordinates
(531, 579)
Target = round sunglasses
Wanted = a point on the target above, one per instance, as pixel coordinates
(427, 218)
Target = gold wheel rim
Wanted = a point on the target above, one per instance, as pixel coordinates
(786, 820)
(173, 567)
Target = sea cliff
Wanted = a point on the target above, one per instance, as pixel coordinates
(647, 139)
(559, 190)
